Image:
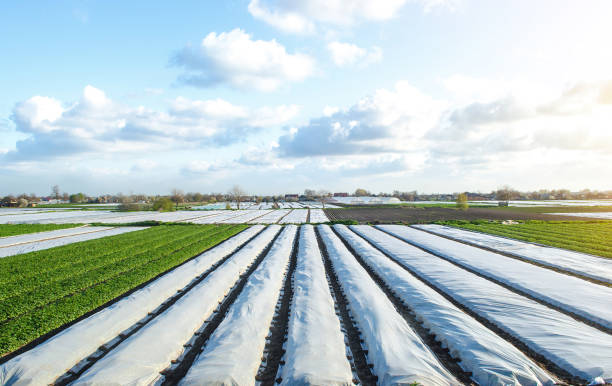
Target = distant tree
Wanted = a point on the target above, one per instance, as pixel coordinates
(55, 192)
(178, 197)
(310, 193)
(505, 193)
(163, 204)
(77, 198)
(22, 202)
(236, 193)
(65, 196)
(462, 201)
(361, 192)
(323, 196)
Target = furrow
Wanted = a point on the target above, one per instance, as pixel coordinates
(507, 286)
(409, 315)
(105, 348)
(173, 374)
(274, 348)
(358, 359)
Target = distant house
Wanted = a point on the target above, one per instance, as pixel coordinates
(291, 197)
(341, 194)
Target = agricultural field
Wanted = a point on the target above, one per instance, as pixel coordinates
(20, 229)
(593, 237)
(428, 214)
(221, 216)
(304, 304)
(30, 242)
(43, 290)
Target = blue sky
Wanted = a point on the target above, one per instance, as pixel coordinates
(283, 95)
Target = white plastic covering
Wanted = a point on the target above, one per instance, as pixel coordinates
(139, 359)
(601, 215)
(297, 216)
(586, 265)
(52, 358)
(272, 217)
(589, 300)
(574, 346)
(317, 216)
(397, 352)
(233, 353)
(491, 359)
(316, 353)
(248, 215)
(45, 235)
(94, 233)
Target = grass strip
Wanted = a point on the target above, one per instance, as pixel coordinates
(22, 229)
(582, 236)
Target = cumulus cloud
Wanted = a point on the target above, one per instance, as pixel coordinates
(404, 122)
(97, 124)
(235, 59)
(389, 121)
(346, 54)
(303, 16)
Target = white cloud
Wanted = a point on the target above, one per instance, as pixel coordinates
(303, 16)
(481, 135)
(96, 124)
(389, 121)
(346, 54)
(235, 59)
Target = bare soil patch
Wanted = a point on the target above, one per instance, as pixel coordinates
(427, 215)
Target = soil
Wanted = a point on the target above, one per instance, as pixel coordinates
(427, 215)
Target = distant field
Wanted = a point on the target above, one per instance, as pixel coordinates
(20, 229)
(594, 237)
(41, 291)
(423, 215)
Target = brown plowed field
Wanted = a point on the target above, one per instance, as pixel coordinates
(426, 215)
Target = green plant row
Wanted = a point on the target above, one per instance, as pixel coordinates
(35, 264)
(21, 229)
(586, 237)
(22, 303)
(18, 331)
(81, 265)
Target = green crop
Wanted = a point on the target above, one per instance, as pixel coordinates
(20, 229)
(593, 237)
(44, 290)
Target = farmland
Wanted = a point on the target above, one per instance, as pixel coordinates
(593, 237)
(306, 304)
(20, 229)
(421, 215)
(221, 216)
(43, 290)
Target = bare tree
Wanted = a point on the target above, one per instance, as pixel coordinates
(56, 191)
(323, 196)
(236, 194)
(178, 197)
(505, 193)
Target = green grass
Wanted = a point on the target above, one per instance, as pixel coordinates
(593, 237)
(20, 229)
(43, 290)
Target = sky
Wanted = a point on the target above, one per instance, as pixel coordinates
(279, 96)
